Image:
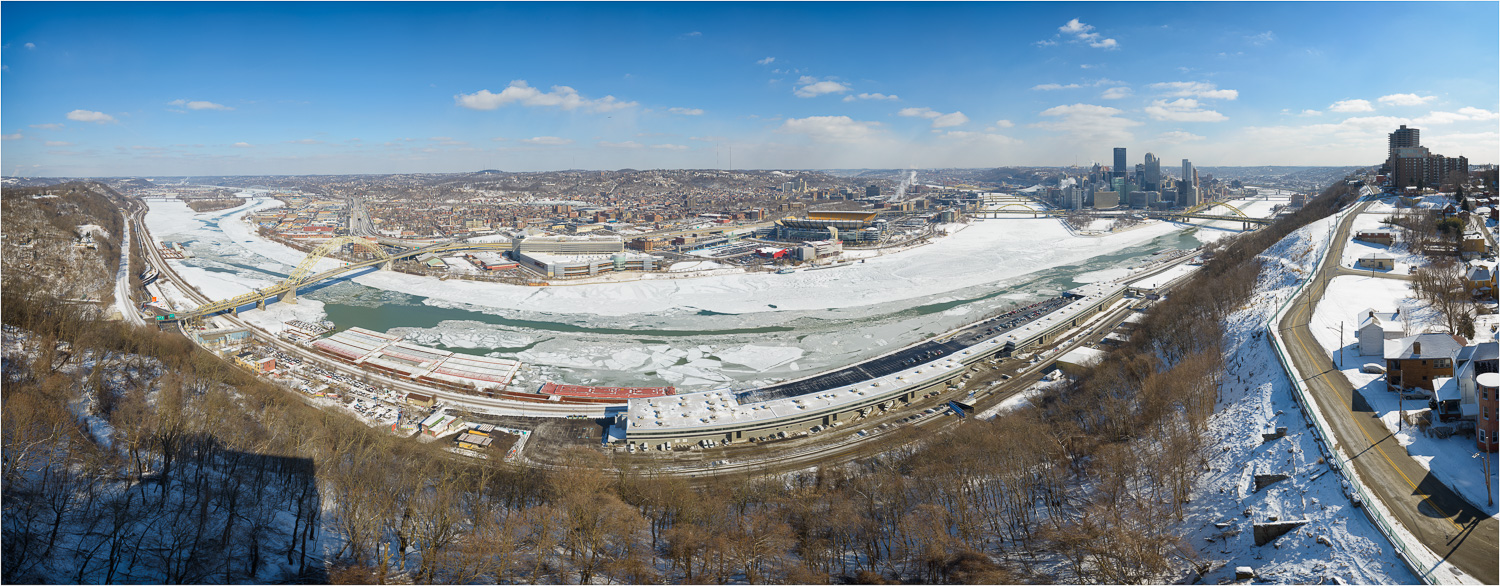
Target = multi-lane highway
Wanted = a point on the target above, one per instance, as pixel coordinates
(1445, 522)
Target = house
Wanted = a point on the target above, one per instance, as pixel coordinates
(1375, 328)
(1480, 280)
(1383, 235)
(1473, 244)
(1477, 365)
(1377, 260)
(1414, 361)
(421, 400)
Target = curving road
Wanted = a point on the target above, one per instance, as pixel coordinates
(1450, 526)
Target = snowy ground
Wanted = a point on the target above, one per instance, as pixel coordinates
(1450, 460)
(1255, 397)
(1369, 220)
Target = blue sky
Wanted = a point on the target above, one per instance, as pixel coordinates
(307, 88)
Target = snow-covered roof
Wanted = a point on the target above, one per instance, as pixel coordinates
(1445, 388)
(718, 408)
(1082, 356)
(1432, 346)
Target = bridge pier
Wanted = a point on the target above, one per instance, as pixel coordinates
(260, 304)
(290, 296)
(386, 266)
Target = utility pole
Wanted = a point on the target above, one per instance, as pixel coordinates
(1341, 344)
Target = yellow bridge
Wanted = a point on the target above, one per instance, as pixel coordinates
(303, 275)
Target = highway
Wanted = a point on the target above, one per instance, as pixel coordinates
(123, 302)
(1450, 526)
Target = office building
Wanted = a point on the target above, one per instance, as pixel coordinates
(1119, 168)
(872, 191)
(1187, 188)
(1152, 180)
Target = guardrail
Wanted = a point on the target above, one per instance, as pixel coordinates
(1328, 443)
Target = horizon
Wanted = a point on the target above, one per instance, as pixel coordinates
(169, 90)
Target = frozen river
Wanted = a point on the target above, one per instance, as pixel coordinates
(736, 330)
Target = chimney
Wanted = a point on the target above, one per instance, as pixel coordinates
(1416, 348)
(1372, 313)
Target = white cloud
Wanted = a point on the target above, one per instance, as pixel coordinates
(1116, 93)
(1004, 124)
(690, 35)
(1177, 137)
(766, 61)
(1073, 86)
(1084, 33)
(1182, 110)
(830, 128)
(1310, 112)
(686, 111)
(875, 96)
(980, 137)
(1478, 114)
(950, 120)
(669, 147)
(243, 145)
(1351, 106)
(708, 138)
(939, 119)
(305, 141)
(90, 116)
(58, 143)
(1195, 89)
(13, 136)
(30, 45)
(1262, 38)
(1405, 99)
(547, 140)
(51, 126)
(811, 87)
(1088, 123)
(629, 144)
(561, 96)
(1436, 117)
(199, 105)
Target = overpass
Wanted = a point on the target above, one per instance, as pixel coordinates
(303, 276)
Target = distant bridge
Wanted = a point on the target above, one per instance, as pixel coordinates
(303, 276)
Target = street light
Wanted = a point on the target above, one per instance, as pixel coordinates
(1484, 466)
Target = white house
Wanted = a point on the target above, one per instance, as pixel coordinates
(1375, 328)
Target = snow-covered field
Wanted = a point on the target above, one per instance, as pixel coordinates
(1450, 460)
(1372, 218)
(1256, 398)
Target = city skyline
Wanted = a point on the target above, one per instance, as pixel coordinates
(294, 88)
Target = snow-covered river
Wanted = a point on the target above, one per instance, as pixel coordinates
(733, 330)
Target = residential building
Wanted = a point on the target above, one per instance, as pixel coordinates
(1377, 261)
(1375, 328)
(1415, 361)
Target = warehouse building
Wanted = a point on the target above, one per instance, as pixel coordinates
(835, 398)
(579, 256)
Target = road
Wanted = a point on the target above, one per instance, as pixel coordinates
(123, 302)
(1450, 526)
